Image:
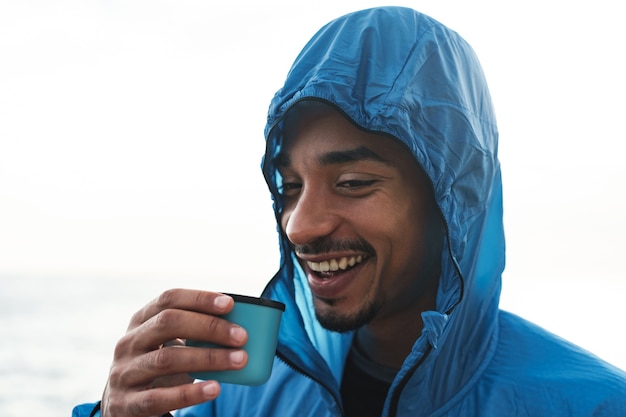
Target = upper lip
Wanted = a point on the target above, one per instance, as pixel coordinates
(326, 256)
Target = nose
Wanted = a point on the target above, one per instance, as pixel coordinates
(309, 218)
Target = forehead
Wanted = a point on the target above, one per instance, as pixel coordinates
(320, 133)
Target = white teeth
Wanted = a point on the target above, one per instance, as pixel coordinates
(335, 264)
(343, 263)
(324, 266)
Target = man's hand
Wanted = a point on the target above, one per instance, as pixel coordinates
(149, 374)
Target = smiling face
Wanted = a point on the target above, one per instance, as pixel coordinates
(360, 215)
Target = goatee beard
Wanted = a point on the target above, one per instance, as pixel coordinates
(333, 321)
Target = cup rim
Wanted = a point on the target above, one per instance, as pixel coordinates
(257, 300)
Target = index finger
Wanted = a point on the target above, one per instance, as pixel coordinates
(213, 303)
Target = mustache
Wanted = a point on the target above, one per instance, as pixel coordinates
(326, 245)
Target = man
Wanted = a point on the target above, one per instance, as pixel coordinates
(382, 161)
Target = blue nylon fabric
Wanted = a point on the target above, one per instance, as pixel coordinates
(398, 72)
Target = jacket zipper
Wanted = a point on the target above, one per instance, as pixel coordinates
(317, 381)
(395, 399)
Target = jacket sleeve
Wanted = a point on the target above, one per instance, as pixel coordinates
(87, 410)
(93, 410)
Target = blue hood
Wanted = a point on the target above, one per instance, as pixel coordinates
(397, 72)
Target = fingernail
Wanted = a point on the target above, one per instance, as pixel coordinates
(238, 334)
(211, 389)
(237, 356)
(221, 301)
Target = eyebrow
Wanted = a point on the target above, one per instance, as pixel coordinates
(362, 153)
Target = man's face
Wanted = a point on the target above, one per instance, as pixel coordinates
(362, 221)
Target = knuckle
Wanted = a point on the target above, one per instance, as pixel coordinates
(213, 325)
(148, 403)
(117, 405)
(122, 347)
(166, 319)
(200, 299)
(185, 397)
(136, 319)
(166, 299)
(120, 377)
(214, 356)
(113, 408)
(163, 358)
(135, 409)
(115, 374)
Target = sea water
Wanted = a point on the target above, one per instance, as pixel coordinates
(58, 333)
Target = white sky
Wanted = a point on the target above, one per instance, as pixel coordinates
(131, 134)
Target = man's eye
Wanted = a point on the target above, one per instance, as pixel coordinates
(290, 188)
(356, 183)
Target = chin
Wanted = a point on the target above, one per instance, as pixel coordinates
(330, 316)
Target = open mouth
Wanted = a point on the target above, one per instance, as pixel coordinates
(328, 267)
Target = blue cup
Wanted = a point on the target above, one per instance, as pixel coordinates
(261, 319)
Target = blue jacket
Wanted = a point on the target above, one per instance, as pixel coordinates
(395, 71)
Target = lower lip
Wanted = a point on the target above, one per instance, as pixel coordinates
(333, 287)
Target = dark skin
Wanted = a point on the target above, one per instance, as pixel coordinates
(341, 185)
(147, 379)
(366, 198)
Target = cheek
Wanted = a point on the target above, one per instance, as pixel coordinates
(408, 232)
(391, 228)
(376, 213)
